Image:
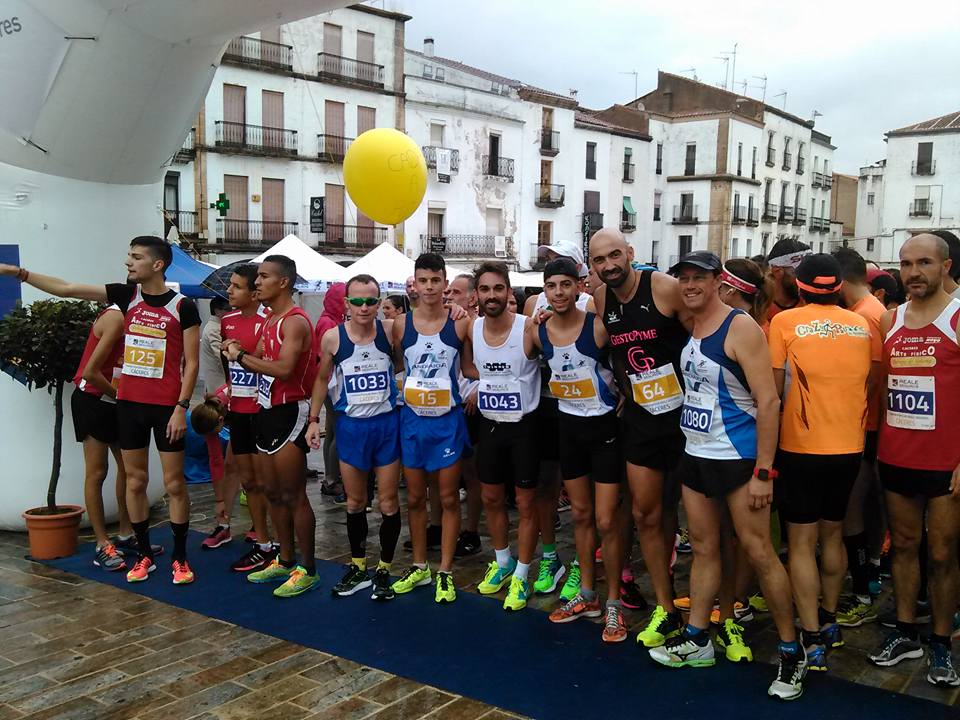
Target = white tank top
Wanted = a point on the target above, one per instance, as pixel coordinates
(541, 303)
(432, 363)
(509, 385)
(363, 379)
(579, 378)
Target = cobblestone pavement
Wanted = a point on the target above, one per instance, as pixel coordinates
(73, 649)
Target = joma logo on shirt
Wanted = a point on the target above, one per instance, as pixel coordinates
(830, 329)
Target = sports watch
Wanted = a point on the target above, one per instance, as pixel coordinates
(765, 474)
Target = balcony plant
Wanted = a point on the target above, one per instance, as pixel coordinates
(41, 345)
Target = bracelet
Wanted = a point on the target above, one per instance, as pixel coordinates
(240, 356)
(23, 274)
(314, 419)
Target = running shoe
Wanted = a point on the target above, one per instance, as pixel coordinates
(340, 499)
(614, 628)
(940, 670)
(353, 581)
(182, 574)
(682, 603)
(255, 559)
(563, 502)
(817, 658)
(853, 613)
(445, 592)
(130, 546)
(141, 570)
(896, 648)
(382, 587)
(741, 613)
(548, 576)
(661, 627)
(832, 636)
(576, 608)
(220, 535)
(109, 558)
(467, 544)
(681, 651)
(788, 684)
(250, 536)
(571, 588)
(413, 577)
(496, 577)
(730, 638)
(758, 603)
(683, 542)
(298, 583)
(630, 596)
(517, 594)
(888, 616)
(243, 498)
(434, 536)
(274, 572)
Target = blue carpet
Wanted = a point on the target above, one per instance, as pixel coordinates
(520, 662)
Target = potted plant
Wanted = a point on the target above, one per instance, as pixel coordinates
(41, 345)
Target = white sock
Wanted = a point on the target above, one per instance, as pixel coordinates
(523, 569)
(503, 557)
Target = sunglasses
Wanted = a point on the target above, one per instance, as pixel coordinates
(360, 302)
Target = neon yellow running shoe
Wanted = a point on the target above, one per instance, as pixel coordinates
(571, 588)
(661, 627)
(412, 578)
(517, 594)
(496, 577)
(446, 592)
(730, 638)
(274, 572)
(758, 603)
(298, 583)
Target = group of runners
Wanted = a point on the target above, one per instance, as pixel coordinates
(742, 388)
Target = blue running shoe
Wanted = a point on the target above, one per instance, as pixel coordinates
(817, 658)
(832, 637)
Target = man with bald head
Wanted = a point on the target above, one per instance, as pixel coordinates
(641, 311)
(919, 456)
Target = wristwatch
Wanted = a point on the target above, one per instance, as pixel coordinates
(765, 474)
(185, 404)
(240, 357)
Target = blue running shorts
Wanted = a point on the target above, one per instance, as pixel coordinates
(369, 442)
(432, 443)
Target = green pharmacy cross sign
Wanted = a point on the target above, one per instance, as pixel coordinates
(221, 205)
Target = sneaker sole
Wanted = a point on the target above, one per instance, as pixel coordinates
(785, 698)
(422, 583)
(746, 658)
(298, 593)
(143, 579)
(571, 618)
(383, 597)
(618, 639)
(121, 566)
(212, 546)
(943, 683)
(265, 581)
(492, 589)
(687, 663)
(185, 581)
(641, 641)
(911, 655)
(360, 586)
(858, 622)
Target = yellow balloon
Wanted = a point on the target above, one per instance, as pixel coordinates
(385, 175)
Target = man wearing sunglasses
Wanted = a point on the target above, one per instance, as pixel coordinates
(359, 356)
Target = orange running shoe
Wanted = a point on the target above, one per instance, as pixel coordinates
(576, 607)
(614, 628)
(182, 574)
(682, 603)
(141, 571)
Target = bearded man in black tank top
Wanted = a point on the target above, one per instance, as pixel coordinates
(644, 317)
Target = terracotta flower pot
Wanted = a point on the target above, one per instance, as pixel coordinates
(53, 536)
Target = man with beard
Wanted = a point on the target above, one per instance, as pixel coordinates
(919, 456)
(782, 264)
(642, 313)
(508, 394)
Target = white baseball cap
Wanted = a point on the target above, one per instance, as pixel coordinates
(566, 248)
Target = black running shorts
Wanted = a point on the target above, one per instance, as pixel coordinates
(590, 446)
(281, 424)
(243, 434)
(651, 441)
(93, 417)
(915, 483)
(548, 417)
(135, 422)
(811, 488)
(509, 450)
(714, 478)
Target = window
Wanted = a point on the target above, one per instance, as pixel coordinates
(813, 208)
(766, 191)
(656, 205)
(823, 208)
(544, 232)
(366, 119)
(690, 164)
(436, 134)
(771, 153)
(659, 158)
(591, 161)
(655, 252)
(365, 46)
(826, 170)
(627, 154)
(735, 248)
(924, 158)
(332, 39)
(686, 244)
(764, 241)
(736, 206)
(435, 217)
(749, 247)
(786, 145)
(740, 158)
(496, 87)
(439, 75)
(869, 244)
(869, 198)
(428, 71)
(753, 165)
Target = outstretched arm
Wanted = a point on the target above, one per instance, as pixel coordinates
(55, 286)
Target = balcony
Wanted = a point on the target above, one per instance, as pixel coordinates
(498, 167)
(628, 221)
(800, 164)
(753, 216)
(548, 196)
(254, 139)
(770, 211)
(339, 69)
(349, 238)
(259, 53)
(820, 225)
(814, 223)
(927, 167)
(549, 142)
(921, 208)
(786, 214)
(592, 221)
(244, 234)
(188, 150)
(816, 179)
(467, 245)
(430, 155)
(827, 181)
(800, 216)
(824, 225)
(771, 157)
(684, 214)
(787, 160)
(629, 172)
(739, 214)
(332, 148)
(184, 220)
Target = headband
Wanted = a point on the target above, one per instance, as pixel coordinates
(832, 283)
(737, 283)
(790, 261)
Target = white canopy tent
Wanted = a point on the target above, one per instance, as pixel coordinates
(313, 267)
(388, 265)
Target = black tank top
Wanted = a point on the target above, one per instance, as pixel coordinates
(645, 348)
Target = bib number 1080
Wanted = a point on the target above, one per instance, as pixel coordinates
(695, 419)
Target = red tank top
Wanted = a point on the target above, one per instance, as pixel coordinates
(274, 391)
(152, 352)
(922, 421)
(243, 383)
(111, 365)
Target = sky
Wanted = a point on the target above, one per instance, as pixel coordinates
(867, 67)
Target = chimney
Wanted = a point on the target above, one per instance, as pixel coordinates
(428, 47)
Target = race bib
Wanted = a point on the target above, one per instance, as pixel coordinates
(577, 389)
(428, 397)
(911, 402)
(243, 383)
(367, 383)
(264, 395)
(500, 400)
(144, 356)
(658, 390)
(696, 417)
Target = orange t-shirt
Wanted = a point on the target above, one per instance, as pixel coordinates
(871, 310)
(825, 352)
